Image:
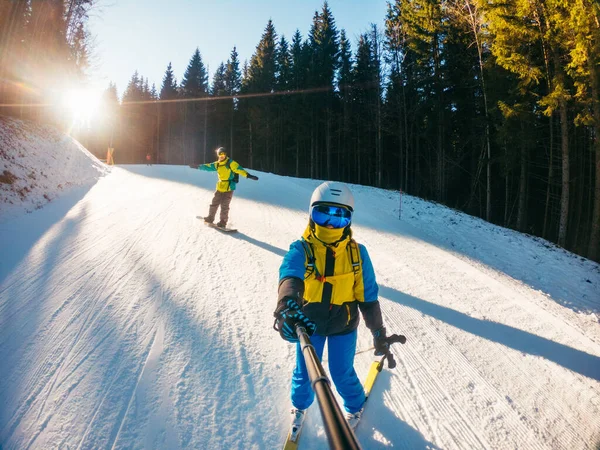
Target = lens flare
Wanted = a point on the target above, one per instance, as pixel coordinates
(82, 104)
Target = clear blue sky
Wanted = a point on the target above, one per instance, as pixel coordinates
(134, 35)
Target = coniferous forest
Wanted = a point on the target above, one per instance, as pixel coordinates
(490, 107)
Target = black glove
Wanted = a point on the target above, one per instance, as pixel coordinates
(252, 177)
(287, 315)
(380, 342)
(193, 166)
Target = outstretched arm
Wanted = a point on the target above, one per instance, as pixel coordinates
(210, 167)
(239, 169)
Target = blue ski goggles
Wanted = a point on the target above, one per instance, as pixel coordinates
(336, 216)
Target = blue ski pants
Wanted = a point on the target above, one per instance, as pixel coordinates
(341, 350)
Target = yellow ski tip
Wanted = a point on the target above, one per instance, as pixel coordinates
(371, 376)
(289, 444)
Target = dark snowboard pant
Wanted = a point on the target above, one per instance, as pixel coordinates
(222, 199)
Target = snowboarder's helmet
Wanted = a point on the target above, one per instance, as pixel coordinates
(322, 210)
(332, 192)
(221, 151)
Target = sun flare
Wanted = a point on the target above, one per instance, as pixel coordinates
(82, 104)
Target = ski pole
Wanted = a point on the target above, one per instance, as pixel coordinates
(339, 434)
(377, 366)
(390, 340)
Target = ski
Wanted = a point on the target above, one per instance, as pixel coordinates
(291, 441)
(293, 437)
(377, 366)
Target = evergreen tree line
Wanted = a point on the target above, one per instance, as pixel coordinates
(491, 107)
(44, 49)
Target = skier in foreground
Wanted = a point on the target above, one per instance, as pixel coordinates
(226, 169)
(324, 279)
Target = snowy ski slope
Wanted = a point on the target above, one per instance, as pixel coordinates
(127, 323)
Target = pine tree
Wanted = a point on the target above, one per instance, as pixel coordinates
(404, 93)
(233, 84)
(133, 91)
(194, 85)
(283, 121)
(526, 43)
(233, 76)
(219, 87)
(168, 91)
(581, 35)
(376, 43)
(166, 122)
(261, 72)
(13, 42)
(110, 105)
(324, 61)
(467, 17)
(262, 79)
(345, 73)
(364, 79)
(325, 48)
(299, 64)
(344, 83)
(219, 109)
(284, 66)
(195, 79)
(299, 60)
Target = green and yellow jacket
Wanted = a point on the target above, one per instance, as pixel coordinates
(331, 282)
(225, 170)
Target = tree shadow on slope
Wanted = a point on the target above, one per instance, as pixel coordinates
(23, 312)
(569, 279)
(379, 428)
(384, 426)
(563, 355)
(271, 248)
(117, 362)
(20, 235)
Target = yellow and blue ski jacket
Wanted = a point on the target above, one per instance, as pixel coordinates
(225, 170)
(332, 283)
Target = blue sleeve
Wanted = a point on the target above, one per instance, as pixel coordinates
(211, 167)
(369, 281)
(294, 262)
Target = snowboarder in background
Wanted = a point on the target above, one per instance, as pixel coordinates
(148, 159)
(226, 169)
(324, 280)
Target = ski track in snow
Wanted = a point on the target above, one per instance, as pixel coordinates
(130, 324)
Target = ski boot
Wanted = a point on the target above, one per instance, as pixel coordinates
(298, 416)
(354, 418)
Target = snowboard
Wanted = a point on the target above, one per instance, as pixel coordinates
(212, 225)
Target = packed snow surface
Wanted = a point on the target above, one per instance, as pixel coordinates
(127, 323)
(38, 163)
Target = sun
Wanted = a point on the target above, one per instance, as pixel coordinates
(82, 104)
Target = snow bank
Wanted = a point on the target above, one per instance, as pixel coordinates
(38, 163)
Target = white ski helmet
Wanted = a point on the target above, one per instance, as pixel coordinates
(332, 192)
